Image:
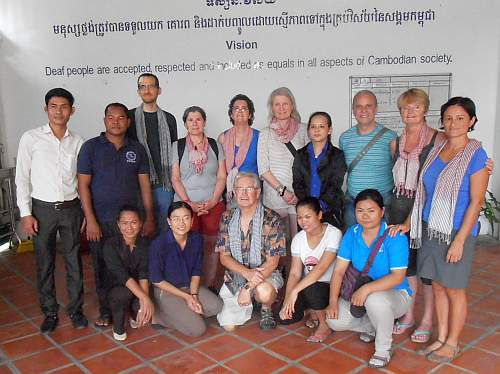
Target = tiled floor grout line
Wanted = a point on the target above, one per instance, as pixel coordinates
(261, 346)
(72, 359)
(78, 363)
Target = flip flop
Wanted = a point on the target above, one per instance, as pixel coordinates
(400, 327)
(102, 322)
(426, 351)
(318, 338)
(438, 359)
(312, 323)
(421, 336)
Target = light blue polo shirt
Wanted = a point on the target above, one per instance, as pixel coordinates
(375, 169)
(392, 255)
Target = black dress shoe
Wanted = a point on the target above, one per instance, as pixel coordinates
(79, 320)
(49, 324)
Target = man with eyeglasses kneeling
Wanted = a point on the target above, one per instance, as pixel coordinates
(250, 242)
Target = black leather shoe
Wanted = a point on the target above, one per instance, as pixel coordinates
(79, 320)
(49, 324)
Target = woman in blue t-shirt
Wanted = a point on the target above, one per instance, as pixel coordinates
(388, 296)
(240, 141)
(175, 269)
(444, 221)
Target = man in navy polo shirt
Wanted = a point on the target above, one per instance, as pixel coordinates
(113, 171)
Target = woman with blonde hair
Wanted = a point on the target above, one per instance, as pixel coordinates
(278, 144)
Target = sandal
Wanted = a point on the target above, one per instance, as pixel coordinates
(379, 362)
(421, 336)
(426, 351)
(267, 321)
(366, 337)
(312, 323)
(318, 338)
(439, 359)
(400, 327)
(102, 322)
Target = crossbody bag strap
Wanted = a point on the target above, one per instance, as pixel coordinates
(365, 150)
(374, 251)
(291, 148)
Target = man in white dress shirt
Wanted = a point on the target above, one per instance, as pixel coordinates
(47, 198)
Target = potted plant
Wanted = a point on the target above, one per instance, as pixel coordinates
(491, 210)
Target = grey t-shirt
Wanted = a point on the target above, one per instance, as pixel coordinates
(199, 187)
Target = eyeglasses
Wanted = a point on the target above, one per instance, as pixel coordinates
(245, 189)
(183, 219)
(144, 87)
(241, 110)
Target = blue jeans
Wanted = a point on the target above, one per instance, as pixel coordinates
(350, 217)
(161, 202)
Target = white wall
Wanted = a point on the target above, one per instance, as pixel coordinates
(469, 32)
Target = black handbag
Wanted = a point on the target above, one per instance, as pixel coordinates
(355, 279)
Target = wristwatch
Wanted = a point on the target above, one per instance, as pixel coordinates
(281, 190)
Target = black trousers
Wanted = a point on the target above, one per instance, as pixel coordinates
(122, 300)
(67, 222)
(101, 274)
(315, 297)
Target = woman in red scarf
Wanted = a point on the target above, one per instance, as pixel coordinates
(240, 141)
(199, 178)
(411, 150)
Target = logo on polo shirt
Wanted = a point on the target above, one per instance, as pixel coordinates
(131, 156)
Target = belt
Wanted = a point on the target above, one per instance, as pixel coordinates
(57, 205)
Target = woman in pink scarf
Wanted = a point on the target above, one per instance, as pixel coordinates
(411, 150)
(240, 141)
(275, 154)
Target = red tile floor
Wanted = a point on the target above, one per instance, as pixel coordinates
(248, 350)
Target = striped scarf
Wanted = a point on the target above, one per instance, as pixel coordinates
(405, 170)
(165, 147)
(445, 195)
(234, 231)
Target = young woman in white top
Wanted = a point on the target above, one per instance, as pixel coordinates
(313, 256)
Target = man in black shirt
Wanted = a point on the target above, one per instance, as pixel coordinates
(156, 130)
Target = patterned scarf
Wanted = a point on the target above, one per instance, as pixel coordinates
(405, 170)
(286, 133)
(165, 146)
(445, 195)
(233, 162)
(198, 154)
(234, 230)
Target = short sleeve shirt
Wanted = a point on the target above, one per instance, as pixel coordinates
(392, 255)
(199, 187)
(478, 162)
(114, 174)
(273, 236)
(310, 257)
(375, 168)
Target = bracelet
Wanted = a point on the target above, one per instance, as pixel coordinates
(282, 192)
(194, 294)
(278, 188)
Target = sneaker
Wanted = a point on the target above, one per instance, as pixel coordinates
(49, 324)
(79, 320)
(267, 321)
(367, 338)
(120, 337)
(133, 323)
